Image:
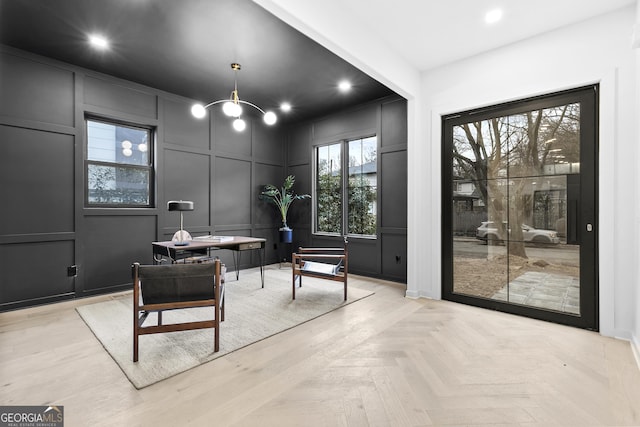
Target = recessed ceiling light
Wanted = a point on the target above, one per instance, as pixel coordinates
(344, 86)
(493, 16)
(98, 41)
(285, 106)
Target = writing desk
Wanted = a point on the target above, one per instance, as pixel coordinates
(237, 244)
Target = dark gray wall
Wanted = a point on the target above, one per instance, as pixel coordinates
(386, 255)
(45, 228)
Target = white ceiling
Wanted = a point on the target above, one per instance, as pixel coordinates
(431, 33)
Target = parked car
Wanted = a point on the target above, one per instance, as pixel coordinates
(488, 231)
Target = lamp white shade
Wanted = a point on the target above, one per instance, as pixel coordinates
(239, 124)
(198, 111)
(232, 109)
(270, 118)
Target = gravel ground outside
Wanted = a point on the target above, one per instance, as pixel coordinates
(484, 277)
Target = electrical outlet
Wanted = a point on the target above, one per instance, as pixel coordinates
(72, 271)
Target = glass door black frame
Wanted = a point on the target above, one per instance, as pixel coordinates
(587, 212)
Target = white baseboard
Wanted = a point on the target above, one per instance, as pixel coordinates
(412, 294)
(416, 295)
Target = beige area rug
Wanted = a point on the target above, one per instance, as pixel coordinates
(252, 314)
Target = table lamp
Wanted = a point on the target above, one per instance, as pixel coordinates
(181, 237)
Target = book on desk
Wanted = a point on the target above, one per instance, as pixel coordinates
(218, 239)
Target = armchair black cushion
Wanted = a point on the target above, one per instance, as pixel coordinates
(178, 282)
(157, 288)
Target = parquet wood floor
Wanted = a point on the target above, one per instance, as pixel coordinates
(383, 361)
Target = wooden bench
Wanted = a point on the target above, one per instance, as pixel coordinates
(322, 263)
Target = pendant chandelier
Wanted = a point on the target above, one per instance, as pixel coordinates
(232, 108)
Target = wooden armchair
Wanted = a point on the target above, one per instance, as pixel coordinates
(324, 263)
(157, 288)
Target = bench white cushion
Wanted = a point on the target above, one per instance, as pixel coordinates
(321, 268)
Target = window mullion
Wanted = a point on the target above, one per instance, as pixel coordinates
(345, 188)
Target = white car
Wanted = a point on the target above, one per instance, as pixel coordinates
(488, 231)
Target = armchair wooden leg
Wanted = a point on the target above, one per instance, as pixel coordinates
(216, 336)
(135, 345)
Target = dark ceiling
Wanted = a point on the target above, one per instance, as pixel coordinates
(186, 47)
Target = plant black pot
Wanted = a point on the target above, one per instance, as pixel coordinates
(286, 235)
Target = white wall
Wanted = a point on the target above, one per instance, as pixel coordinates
(335, 31)
(595, 51)
(635, 337)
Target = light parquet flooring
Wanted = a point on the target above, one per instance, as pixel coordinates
(383, 361)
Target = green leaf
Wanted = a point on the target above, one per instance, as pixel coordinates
(282, 197)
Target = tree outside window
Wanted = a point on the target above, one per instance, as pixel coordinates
(507, 157)
(328, 198)
(357, 191)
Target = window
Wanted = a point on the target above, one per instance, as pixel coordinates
(328, 192)
(346, 202)
(118, 166)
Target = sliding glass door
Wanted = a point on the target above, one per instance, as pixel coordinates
(519, 207)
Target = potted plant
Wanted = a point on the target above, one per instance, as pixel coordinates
(282, 198)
